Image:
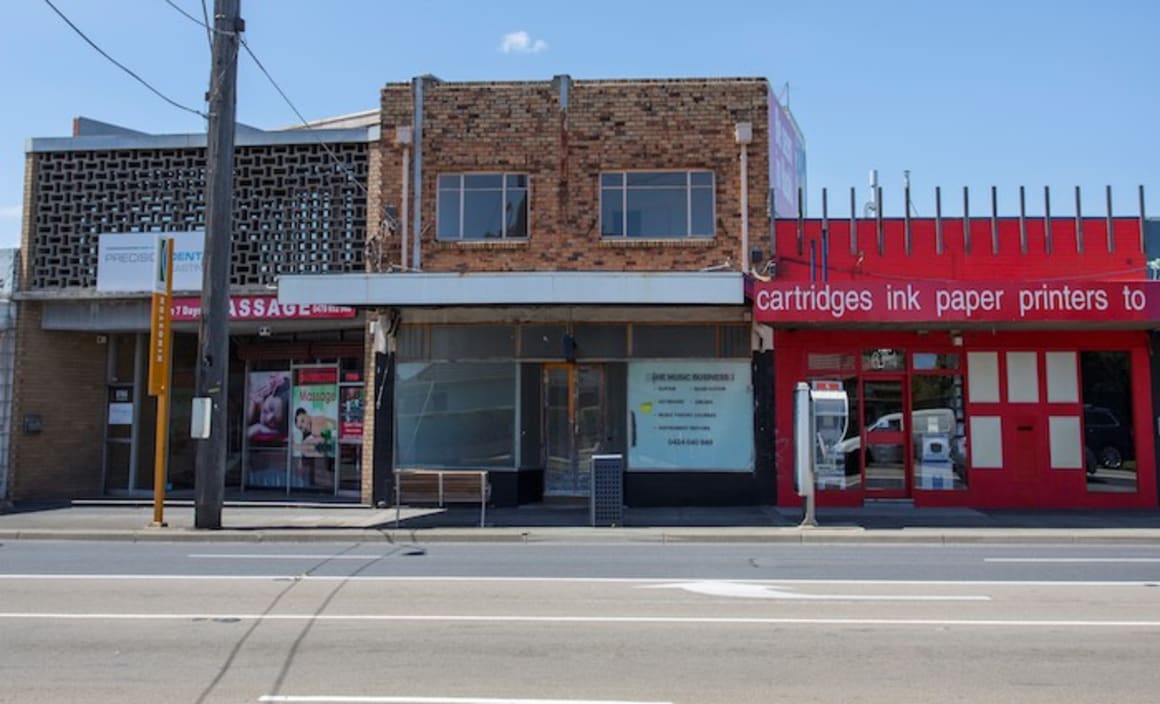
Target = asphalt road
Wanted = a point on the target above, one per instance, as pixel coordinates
(527, 624)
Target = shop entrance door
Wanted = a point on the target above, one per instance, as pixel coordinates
(574, 423)
(886, 455)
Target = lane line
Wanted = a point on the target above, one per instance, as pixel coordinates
(611, 620)
(343, 699)
(747, 590)
(275, 556)
(584, 580)
(1075, 560)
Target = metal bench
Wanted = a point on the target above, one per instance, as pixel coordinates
(442, 486)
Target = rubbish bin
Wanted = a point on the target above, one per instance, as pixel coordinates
(607, 494)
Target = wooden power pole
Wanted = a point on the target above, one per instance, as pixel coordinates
(213, 362)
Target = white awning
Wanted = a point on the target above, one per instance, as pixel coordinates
(514, 288)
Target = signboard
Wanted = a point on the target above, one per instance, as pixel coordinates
(787, 161)
(935, 302)
(160, 324)
(350, 414)
(314, 435)
(188, 309)
(126, 261)
(693, 415)
(120, 413)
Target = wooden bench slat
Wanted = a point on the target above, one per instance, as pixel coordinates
(442, 486)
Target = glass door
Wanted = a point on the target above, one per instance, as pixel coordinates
(574, 425)
(885, 438)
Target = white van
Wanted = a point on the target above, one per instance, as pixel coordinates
(922, 422)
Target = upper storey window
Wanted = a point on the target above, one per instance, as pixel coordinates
(657, 204)
(482, 206)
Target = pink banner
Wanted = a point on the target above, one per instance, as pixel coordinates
(960, 302)
(262, 308)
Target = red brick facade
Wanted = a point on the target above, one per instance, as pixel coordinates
(606, 126)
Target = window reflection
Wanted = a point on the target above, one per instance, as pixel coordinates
(1109, 440)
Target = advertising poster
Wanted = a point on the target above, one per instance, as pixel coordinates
(267, 428)
(314, 437)
(350, 420)
(690, 415)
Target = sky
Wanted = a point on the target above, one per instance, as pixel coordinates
(1004, 93)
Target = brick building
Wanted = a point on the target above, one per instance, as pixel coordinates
(94, 202)
(564, 278)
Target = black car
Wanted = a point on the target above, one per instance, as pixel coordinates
(1108, 442)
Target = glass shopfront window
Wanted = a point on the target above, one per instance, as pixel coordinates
(456, 415)
(1109, 439)
(938, 423)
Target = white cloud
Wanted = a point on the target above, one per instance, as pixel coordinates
(10, 212)
(521, 43)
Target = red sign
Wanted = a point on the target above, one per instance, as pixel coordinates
(262, 308)
(965, 302)
(318, 375)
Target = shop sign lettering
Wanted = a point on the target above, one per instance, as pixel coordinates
(262, 308)
(1103, 301)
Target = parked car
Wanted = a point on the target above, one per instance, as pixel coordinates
(1107, 441)
(922, 422)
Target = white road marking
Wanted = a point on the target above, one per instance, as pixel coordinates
(1078, 560)
(276, 556)
(742, 590)
(613, 620)
(583, 580)
(342, 699)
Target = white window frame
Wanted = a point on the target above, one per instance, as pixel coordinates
(689, 187)
(503, 190)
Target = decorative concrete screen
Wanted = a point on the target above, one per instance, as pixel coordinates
(295, 209)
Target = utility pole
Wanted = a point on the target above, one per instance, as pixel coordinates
(213, 361)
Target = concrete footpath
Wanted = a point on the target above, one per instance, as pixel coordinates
(298, 522)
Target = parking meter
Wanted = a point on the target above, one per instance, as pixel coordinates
(831, 412)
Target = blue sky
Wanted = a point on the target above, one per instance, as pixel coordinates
(1057, 92)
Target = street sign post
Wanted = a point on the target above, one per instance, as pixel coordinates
(160, 356)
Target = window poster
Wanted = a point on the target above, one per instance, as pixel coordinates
(267, 428)
(690, 414)
(314, 437)
(350, 419)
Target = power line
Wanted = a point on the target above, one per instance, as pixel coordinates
(121, 66)
(209, 30)
(305, 123)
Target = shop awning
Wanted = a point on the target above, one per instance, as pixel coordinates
(514, 288)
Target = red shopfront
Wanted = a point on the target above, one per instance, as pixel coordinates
(984, 394)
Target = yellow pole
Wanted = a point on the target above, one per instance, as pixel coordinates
(161, 452)
(159, 380)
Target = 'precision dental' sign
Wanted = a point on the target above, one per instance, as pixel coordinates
(986, 302)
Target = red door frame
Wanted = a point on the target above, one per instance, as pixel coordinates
(900, 437)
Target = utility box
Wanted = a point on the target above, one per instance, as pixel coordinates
(607, 491)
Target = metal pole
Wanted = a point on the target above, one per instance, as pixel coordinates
(1047, 216)
(1022, 220)
(1111, 234)
(966, 220)
(161, 432)
(1078, 222)
(994, 220)
(938, 231)
(803, 419)
(853, 223)
(213, 331)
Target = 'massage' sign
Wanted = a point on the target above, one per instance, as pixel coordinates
(262, 308)
(989, 302)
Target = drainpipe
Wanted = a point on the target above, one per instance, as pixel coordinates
(417, 131)
(743, 135)
(403, 138)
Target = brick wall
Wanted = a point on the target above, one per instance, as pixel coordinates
(608, 125)
(59, 377)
